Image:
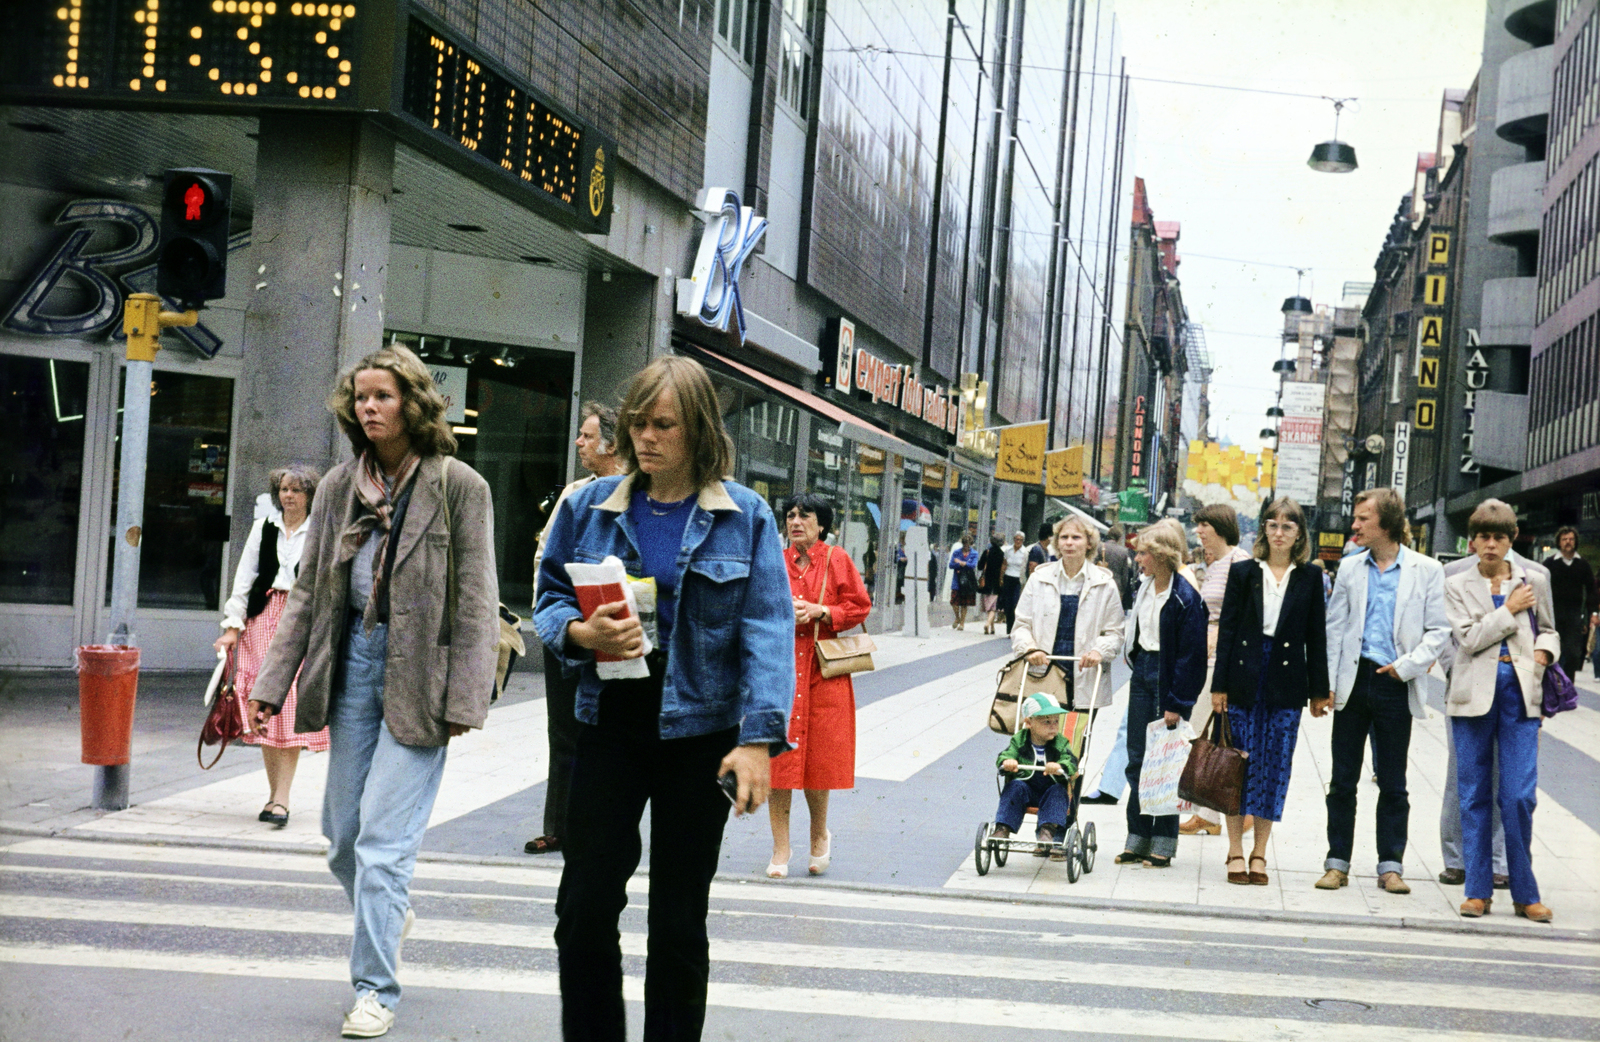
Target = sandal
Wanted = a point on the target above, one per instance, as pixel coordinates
(280, 820)
(1128, 857)
(542, 845)
(1240, 878)
(1157, 861)
(1258, 878)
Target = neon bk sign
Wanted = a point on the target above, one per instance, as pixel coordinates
(711, 294)
(856, 369)
(1136, 463)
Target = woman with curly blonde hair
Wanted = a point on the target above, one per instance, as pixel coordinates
(386, 529)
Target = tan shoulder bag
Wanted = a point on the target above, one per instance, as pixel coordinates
(838, 656)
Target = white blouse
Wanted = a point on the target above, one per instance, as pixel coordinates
(289, 549)
(1150, 614)
(1272, 597)
(1016, 562)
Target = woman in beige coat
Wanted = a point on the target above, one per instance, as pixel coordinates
(1506, 638)
(383, 663)
(1072, 607)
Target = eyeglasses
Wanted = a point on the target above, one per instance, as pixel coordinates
(1282, 526)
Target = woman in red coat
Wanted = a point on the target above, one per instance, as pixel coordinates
(828, 599)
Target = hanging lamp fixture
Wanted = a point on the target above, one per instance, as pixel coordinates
(1334, 157)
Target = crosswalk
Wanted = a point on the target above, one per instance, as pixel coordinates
(159, 926)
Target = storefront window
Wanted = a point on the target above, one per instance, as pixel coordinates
(763, 433)
(42, 424)
(509, 409)
(185, 491)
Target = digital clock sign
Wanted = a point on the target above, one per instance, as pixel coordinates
(218, 52)
(500, 122)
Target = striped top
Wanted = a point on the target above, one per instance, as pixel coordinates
(1211, 591)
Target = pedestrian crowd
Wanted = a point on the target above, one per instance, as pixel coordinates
(364, 622)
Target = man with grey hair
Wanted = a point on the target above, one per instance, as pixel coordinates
(596, 444)
(1455, 865)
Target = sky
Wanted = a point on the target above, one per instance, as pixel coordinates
(1231, 166)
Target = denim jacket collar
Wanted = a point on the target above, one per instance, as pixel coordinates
(713, 497)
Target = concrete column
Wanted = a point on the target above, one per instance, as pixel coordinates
(319, 250)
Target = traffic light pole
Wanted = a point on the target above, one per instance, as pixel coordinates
(142, 320)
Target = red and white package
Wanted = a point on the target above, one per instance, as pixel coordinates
(607, 583)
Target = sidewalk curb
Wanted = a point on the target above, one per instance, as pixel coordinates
(1476, 928)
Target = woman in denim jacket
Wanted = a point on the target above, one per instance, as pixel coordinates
(716, 702)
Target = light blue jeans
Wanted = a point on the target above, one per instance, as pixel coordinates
(374, 811)
(1114, 780)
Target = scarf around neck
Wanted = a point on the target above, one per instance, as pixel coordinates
(377, 515)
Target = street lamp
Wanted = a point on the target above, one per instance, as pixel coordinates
(1333, 157)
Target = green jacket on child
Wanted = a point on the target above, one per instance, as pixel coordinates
(1058, 745)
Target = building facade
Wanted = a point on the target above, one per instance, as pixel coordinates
(523, 193)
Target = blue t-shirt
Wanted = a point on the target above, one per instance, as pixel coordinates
(660, 531)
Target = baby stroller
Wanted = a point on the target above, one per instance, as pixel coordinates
(1015, 682)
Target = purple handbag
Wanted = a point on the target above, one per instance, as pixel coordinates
(1560, 694)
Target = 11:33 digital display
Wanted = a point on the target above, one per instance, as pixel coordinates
(220, 52)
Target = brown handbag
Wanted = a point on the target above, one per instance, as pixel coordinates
(225, 723)
(1014, 682)
(840, 656)
(1215, 772)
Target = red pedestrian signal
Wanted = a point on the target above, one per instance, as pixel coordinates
(195, 210)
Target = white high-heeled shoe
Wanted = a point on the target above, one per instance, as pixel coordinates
(777, 871)
(820, 865)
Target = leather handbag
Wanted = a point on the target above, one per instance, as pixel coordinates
(840, 656)
(1559, 692)
(1214, 774)
(225, 722)
(1014, 682)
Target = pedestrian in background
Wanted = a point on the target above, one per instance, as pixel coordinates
(1506, 638)
(1573, 592)
(1167, 650)
(1454, 872)
(384, 529)
(963, 580)
(1115, 550)
(1070, 608)
(261, 584)
(1271, 661)
(716, 700)
(1016, 570)
(828, 599)
(991, 568)
(1216, 525)
(1039, 553)
(596, 445)
(1386, 626)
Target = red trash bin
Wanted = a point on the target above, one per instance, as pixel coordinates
(108, 681)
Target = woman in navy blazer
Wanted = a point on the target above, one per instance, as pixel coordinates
(1167, 650)
(1271, 661)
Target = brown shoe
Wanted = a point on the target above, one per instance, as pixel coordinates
(1332, 879)
(1475, 907)
(1392, 882)
(1198, 826)
(1000, 832)
(1258, 878)
(1536, 912)
(1238, 878)
(1453, 876)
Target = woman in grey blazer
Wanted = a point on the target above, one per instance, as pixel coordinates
(1507, 638)
(381, 661)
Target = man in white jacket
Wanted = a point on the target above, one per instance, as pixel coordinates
(1386, 627)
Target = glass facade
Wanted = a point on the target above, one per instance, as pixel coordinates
(41, 477)
(512, 423)
(185, 491)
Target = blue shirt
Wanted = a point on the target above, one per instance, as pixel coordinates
(660, 535)
(1377, 633)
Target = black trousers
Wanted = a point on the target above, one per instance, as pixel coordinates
(1574, 636)
(1010, 592)
(620, 764)
(561, 697)
(1379, 706)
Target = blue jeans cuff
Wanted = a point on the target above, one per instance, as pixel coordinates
(1396, 867)
(1333, 862)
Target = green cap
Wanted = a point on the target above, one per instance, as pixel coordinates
(1040, 704)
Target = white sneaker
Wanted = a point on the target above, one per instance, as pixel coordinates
(369, 1018)
(405, 931)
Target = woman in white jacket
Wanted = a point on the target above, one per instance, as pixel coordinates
(1506, 638)
(1072, 607)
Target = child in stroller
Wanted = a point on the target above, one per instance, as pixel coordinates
(1041, 760)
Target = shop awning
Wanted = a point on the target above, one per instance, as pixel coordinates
(1100, 526)
(850, 426)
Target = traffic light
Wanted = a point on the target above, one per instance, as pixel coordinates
(193, 266)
